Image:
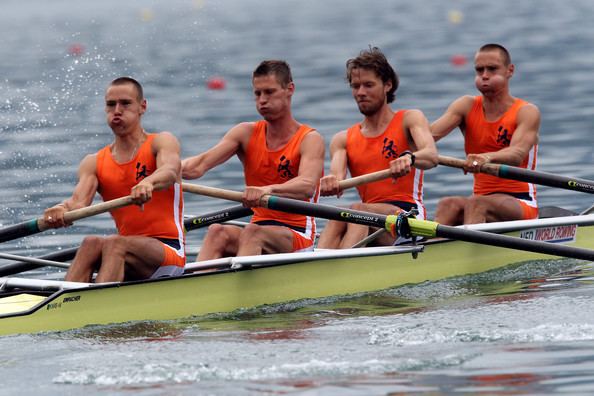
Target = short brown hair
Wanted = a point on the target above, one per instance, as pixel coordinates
(501, 49)
(279, 68)
(375, 60)
(130, 80)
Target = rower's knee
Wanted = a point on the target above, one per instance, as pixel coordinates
(448, 203)
(217, 235)
(114, 243)
(477, 203)
(92, 240)
(251, 232)
(450, 210)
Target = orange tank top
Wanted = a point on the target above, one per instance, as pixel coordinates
(161, 217)
(371, 154)
(482, 136)
(263, 167)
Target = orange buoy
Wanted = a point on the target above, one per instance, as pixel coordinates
(216, 83)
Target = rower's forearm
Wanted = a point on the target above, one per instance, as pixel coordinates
(426, 159)
(295, 189)
(508, 156)
(192, 168)
(164, 177)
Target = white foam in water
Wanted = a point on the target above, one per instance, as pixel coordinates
(542, 319)
(176, 373)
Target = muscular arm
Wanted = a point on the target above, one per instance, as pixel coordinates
(420, 133)
(165, 147)
(338, 166)
(82, 195)
(233, 141)
(303, 186)
(452, 118)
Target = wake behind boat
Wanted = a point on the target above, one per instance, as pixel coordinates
(226, 285)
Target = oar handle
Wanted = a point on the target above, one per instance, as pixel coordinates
(491, 169)
(363, 179)
(89, 211)
(213, 192)
(34, 226)
(229, 195)
(526, 175)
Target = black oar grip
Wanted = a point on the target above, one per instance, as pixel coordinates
(19, 230)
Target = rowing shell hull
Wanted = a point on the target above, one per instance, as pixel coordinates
(261, 280)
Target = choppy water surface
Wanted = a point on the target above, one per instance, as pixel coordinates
(526, 329)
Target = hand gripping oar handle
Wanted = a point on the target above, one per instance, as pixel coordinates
(526, 175)
(34, 226)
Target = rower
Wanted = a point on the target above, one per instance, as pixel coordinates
(398, 140)
(280, 156)
(150, 240)
(497, 128)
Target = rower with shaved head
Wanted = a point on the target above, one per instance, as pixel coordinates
(150, 239)
(498, 128)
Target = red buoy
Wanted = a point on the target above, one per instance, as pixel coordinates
(76, 49)
(216, 83)
(458, 60)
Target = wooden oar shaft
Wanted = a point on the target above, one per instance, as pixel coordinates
(213, 192)
(526, 175)
(96, 209)
(363, 179)
(236, 196)
(35, 226)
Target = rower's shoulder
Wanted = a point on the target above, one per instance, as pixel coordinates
(164, 140)
(464, 102)
(528, 106)
(164, 136)
(528, 110)
(242, 129)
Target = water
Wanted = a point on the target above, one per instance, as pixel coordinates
(519, 330)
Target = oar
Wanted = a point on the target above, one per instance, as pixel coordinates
(236, 196)
(363, 179)
(526, 175)
(35, 226)
(191, 223)
(398, 224)
(34, 260)
(218, 216)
